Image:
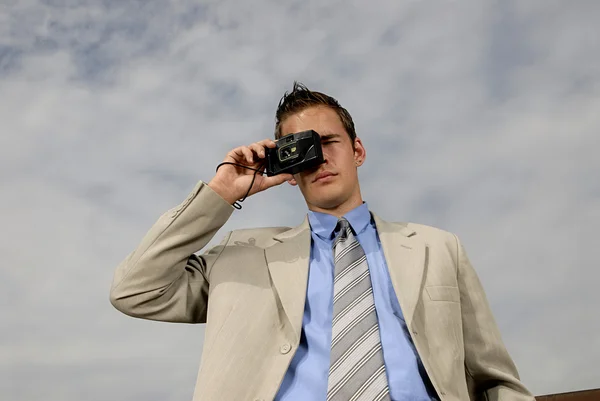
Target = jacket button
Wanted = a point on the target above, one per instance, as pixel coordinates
(285, 348)
(415, 332)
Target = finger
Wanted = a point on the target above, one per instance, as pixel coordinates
(267, 142)
(237, 154)
(258, 149)
(248, 154)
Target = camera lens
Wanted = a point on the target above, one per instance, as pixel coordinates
(288, 153)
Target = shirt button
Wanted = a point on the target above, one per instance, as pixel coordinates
(285, 348)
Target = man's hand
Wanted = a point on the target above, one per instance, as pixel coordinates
(232, 182)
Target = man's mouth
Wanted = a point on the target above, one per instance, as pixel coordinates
(323, 175)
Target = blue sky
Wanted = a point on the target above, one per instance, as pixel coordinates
(479, 117)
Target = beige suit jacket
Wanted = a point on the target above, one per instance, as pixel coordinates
(251, 289)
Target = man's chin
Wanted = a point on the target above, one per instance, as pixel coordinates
(326, 203)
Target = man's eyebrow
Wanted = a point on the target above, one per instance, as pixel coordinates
(327, 137)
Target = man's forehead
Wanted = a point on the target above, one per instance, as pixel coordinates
(320, 118)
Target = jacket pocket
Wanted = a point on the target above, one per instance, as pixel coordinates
(443, 293)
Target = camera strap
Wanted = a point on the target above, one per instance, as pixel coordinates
(237, 204)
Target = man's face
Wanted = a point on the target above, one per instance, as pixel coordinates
(340, 190)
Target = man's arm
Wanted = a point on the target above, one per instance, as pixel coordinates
(491, 373)
(163, 279)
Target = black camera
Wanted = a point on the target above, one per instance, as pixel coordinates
(295, 153)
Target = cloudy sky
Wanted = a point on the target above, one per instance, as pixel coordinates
(479, 117)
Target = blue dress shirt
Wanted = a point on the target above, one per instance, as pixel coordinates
(306, 378)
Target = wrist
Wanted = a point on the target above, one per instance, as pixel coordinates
(223, 191)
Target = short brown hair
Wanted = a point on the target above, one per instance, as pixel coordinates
(301, 98)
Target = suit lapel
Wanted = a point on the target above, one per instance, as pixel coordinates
(288, 262)
(405, 255)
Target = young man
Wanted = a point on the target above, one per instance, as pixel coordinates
(346, 306)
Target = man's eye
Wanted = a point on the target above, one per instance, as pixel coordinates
(328, 142)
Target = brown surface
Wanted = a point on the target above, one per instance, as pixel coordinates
(586, 395)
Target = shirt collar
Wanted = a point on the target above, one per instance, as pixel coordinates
(323, 224)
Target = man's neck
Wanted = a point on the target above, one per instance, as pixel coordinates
(339, 210)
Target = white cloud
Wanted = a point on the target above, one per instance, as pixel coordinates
(483, 115)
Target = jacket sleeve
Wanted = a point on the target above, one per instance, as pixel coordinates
(163, 279)
(491, 373)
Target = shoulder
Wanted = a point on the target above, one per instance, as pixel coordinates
(261, 237)
(433, 237)
(430, 232)
(416, 230)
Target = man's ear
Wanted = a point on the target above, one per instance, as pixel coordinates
(292, 182)
(360, 153)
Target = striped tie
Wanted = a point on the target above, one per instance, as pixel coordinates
(357, 371)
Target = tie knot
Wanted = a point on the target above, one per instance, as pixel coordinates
(341, 229)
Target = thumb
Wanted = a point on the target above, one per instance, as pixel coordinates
(278, 179)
